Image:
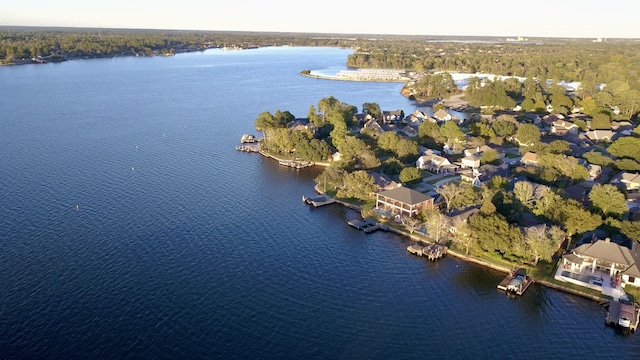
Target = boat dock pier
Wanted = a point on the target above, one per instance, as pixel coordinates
(623, 314)
(296, 164)
(516, 282)
(248, 148)
(432, 252)
(317, 201)
(367, 225)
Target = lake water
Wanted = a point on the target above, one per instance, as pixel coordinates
(131, 228)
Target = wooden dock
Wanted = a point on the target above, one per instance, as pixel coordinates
(623, 314)
(415, 249)
(432, 252)
(317, 201)
(516, 282)
(296, 164)
(248, 148)
(367, 225)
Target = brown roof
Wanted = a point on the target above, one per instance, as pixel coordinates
(406, 195)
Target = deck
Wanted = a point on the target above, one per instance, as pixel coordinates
(517, 287)
(296, 164)
(367, 225)
(252, 148)
(624, 310)
(317, 201)
(432, 252)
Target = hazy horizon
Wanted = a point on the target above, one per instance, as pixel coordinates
(493, 18)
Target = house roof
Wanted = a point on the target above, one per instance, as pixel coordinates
(406, 195)
(607, 251)
(530, 157)
(441, 114)
(630, 178)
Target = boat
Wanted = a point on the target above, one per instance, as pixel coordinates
(248, 139)
(318, 201)
(516, 282)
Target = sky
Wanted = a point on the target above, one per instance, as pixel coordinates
(540, 18)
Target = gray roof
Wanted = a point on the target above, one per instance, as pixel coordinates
(607, 251)
(406, 195)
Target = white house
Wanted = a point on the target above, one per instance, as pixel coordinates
(435, 163)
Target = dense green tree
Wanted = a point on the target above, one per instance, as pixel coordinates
(601, 121)
(429, 134)
(357, 185)
(372, 109)
(410, 174)
(626, 147)
(631, 229)
(489, 157)
(596, 158)
(504, 128)
(392, 166)
(608, 200)
(527, 134)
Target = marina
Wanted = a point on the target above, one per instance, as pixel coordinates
(516, 282)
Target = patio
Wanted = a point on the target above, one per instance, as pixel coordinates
(598, 280)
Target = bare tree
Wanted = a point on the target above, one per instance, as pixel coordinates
(449, 191)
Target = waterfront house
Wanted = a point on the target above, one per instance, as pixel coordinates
(606, 257)
(403, 201)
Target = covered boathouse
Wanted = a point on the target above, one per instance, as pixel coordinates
(403, 201)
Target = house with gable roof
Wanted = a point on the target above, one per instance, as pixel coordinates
(442, 115)
(372, 124)
(392, 117)
(435, 163)
(563, 127)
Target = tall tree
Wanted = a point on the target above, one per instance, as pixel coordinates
(527, 134)
(608, 200)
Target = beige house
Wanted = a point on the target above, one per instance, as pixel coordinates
(604, 256)
(403, 201)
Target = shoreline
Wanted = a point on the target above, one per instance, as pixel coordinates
(473, 260)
